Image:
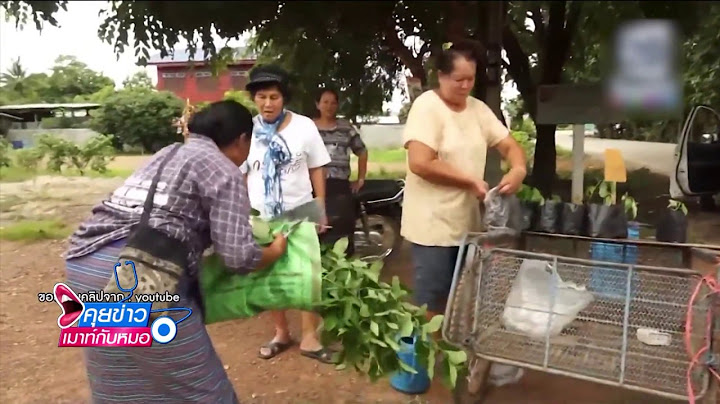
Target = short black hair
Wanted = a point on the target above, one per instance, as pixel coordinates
(323, 90)
(259, 80)
(223, 122)
(445, 60)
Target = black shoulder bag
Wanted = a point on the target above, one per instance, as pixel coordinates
(159, 261)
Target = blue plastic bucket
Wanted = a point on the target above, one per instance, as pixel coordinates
(17, 144)
(611, 283)
(406, 382)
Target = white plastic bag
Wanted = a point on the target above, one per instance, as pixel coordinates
(501, 211)
(530, 303)
(501, 375)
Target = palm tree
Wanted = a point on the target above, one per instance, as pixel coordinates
(14, 77)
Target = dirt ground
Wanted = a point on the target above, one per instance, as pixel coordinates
(34, 370)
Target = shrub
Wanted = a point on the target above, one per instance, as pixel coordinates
(29, 159)
(5, 147)
(243, 97)
(140, 117)
(525, 141)
(528, 126)
(95, 154)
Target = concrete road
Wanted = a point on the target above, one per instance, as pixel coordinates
(656, 157)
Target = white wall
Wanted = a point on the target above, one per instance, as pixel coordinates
(29, 136)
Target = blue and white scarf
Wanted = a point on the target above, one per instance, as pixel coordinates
(276, 157)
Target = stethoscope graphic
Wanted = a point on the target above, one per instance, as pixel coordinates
(164, 328)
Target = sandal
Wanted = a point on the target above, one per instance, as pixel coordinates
(324, 355)
(275, 349)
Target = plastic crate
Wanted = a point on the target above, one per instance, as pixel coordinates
(611, 283)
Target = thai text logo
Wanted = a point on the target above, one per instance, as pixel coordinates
(118, 323)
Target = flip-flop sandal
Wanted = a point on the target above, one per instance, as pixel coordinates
(275, 349)
(324, 355)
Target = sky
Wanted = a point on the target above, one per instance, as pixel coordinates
(77, 36)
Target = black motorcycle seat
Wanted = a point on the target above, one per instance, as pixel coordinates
(379, 189)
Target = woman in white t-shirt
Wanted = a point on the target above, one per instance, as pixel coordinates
(284, 169)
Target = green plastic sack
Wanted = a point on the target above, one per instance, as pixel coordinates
(292, 282)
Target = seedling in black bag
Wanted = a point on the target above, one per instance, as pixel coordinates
(630, 206)
(530, 201)
(606, 220)
(672, 227)
(572, 219)
(549, 220)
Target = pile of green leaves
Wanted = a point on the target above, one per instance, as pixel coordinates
(369, 317)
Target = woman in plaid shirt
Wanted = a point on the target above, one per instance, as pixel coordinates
(201, 200)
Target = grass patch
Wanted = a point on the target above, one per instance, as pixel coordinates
(380, 156)
(34, 230)
(387, 155)
(18, 174)
(380, 174)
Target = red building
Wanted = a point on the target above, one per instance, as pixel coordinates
(194, 79)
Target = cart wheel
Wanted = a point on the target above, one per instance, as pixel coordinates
(473, 388)
(712, 396)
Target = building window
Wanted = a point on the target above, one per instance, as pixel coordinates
(174, 82)
(242, 73)
(173, 75)
(203, 74)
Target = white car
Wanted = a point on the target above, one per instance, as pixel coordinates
(697, 158)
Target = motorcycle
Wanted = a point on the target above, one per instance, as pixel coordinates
(379, 210)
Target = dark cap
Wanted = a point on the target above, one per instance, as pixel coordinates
(267, 74)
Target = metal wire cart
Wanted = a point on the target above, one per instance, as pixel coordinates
(643, 327)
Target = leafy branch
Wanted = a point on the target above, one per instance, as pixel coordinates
(370, 318)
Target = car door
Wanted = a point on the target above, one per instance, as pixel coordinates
(697, 155)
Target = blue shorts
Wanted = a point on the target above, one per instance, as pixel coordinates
(434, 267)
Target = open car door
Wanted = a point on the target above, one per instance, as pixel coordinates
(697, 155)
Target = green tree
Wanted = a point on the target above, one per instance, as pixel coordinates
(702, 60)
(70, 81)
(139, 117)
(98, 97)
(376, 42)
(14, 77)
(70, 78)
(138, 80)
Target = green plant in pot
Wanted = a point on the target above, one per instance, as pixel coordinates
(606, 219)
(672, 227)
(530, 201)
(631, 211)
(549, 215)
(630, 206)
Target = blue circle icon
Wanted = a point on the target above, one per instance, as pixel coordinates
(163, 329)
